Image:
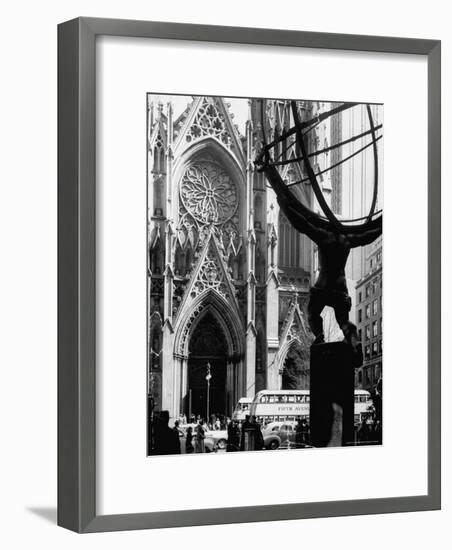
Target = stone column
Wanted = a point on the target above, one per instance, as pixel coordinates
(168, 370)
(184, 385)
(250, 377)
(272, 328)
(230, 389)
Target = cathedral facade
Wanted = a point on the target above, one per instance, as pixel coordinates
(228, 277)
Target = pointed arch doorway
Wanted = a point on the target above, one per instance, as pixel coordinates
(207, 345)
(295, 371)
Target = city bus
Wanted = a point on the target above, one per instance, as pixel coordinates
(289, 405)
(280, 405)
(363, 406)
(242, 409)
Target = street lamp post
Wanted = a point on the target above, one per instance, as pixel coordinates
(208, 377)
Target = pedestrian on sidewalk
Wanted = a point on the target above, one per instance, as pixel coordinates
(200, 436)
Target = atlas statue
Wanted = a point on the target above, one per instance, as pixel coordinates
(333, 238)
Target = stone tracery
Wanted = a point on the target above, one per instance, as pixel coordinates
(209, 121)
(208, 193)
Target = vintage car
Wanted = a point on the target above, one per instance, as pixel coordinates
(281, 435)
(219, 438)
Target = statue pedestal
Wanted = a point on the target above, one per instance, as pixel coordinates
(332, 398)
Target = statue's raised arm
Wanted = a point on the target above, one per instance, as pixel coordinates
(367, 236)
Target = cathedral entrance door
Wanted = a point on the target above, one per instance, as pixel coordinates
(207, 346)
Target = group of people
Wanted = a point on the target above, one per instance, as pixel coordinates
(215, 422)
(195, 438)
(165, 440)
(246, 436)
(302, 432)
(241, 436)
(369, 431)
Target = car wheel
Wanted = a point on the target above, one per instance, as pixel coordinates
(221, 444)
(274, 444)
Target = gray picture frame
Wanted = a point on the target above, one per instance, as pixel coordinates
(77, 274)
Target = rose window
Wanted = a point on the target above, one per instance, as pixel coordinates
(208, 193)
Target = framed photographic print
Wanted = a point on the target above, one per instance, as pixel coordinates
(229, 199)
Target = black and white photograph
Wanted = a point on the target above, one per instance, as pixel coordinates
(265, 272)
(199, 201)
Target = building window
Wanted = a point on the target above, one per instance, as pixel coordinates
(375, 307)
(367, 352)
(368, 311)
(371, 264)
(379, 257)
(374, 328)
(367, 291)
(381, 346)
(360, 315)
(377, 371)
(367, 332)
(360, 297)
(375, 348)
(360, 335)
(374, 286)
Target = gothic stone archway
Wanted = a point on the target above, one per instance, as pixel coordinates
(295, 371)
(207, 346)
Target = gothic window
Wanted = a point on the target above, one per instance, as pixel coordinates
(159, 156)
(155, 345)
(156, 258)
(208, 193)
(189, 258)
(158, 197)
(234, 266)
(183, 259)
(289, 244)
(179, 261)
(258, 212)
(260, 262)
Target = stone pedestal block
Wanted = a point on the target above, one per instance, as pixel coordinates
(332, 394)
